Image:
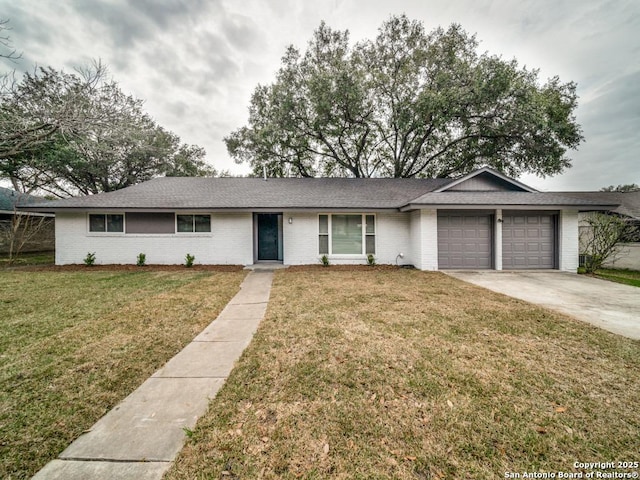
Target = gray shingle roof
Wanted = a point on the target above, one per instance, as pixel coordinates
(10, 198)
(629, 202)
(253, 193)
(184, 193)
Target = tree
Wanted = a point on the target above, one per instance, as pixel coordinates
(79, 133)
(407, 104)
(599, 241)
(20, 230)
(6, 47)
(631, 187)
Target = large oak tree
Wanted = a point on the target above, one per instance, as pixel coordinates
(70, 133)
(407, 104)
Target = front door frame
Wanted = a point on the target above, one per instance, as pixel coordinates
(256, 237)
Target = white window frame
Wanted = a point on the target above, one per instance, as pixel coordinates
(193, 232)
(106, 233)
(329, 235)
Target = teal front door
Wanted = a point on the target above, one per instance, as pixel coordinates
(269, 236)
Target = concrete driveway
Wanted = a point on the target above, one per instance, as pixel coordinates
(611, 306)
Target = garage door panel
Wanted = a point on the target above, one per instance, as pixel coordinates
(528, 241)
(464, 241)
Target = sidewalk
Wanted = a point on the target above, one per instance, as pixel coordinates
(139, 438)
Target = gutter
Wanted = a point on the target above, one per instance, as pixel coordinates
(506, 206)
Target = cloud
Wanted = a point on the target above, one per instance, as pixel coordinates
(196, 62)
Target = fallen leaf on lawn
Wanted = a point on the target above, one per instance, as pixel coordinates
(450, 403)
(325, 449)
(410, 458)
(265, 439)
(561, 409)
(569, 430)
(541, 430)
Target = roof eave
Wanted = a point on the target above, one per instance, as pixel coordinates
(79, 209)
(505, 206)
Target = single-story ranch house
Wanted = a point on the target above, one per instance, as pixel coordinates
(484, 220)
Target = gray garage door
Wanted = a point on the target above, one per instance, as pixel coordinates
(464, 241)
(528, 241)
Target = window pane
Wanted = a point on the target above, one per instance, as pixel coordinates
(324, 244)
(96, 223)
(115, 223)
(346, 234)
(371, 244)
(185, 223)
(324, 224)
(203, 223)
(371, 224)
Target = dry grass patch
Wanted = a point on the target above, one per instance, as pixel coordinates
(388, 373)
(75, 344)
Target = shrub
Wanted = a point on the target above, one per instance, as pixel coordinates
(189, 260)
(371, 260)
(324, 260)
(600, 238)
(90, 259)
(142, 260)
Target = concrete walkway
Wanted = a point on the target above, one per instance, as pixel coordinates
(141, 436)
(608, 305)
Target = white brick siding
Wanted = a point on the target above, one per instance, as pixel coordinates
(568, 240)
(414, 255)
(230, 242)
(300, 239)
(392, 237)
(424, 239)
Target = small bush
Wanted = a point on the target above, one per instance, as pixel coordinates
(189, 260)
(324, 260)
(90, 259)
(371, 260)
(142, 260)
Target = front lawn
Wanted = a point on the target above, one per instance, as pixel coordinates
(390, 373)
(41, 258)
(73, 344)
(628, 277)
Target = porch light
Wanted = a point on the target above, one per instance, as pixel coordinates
(290, 220)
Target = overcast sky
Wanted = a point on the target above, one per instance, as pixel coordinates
(196, 62)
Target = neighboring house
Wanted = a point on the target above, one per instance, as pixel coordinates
(43, 240)
(628, 254)
(482, 220)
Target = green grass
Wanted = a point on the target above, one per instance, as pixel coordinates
(24, 259)
(390, 373)
(628, 277)
(73, 344)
